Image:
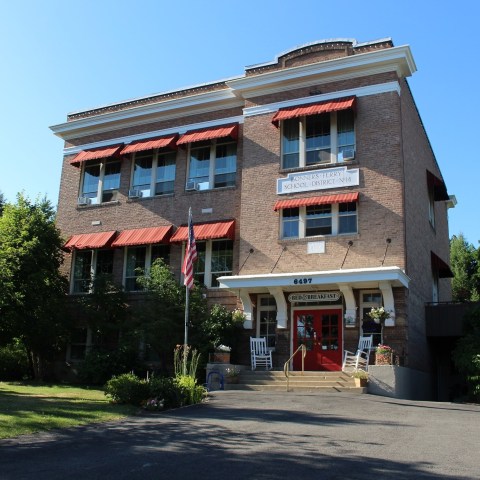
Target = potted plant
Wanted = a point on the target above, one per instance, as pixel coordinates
(361, 378)
(383, 355)
(378, 314)
(232, 374)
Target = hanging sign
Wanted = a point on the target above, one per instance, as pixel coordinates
(318, 180)
(314, 297)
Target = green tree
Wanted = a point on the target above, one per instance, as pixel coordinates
(466, 354)
(32, 291)
(465, 264)
(2, 203)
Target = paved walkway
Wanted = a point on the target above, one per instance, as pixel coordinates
(258, 435)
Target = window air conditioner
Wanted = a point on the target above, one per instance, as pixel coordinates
(83, 201)
(134, 193)
(190, 185)
(348, 153)
(202, 186)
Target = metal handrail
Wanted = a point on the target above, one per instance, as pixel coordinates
(286, 367)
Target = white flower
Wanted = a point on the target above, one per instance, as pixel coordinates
(223, 348)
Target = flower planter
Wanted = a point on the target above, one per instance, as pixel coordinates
(361, 382)
(220, 357)
(383, 359)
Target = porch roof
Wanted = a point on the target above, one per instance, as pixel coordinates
(312, 281)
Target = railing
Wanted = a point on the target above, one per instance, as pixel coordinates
(286, 367)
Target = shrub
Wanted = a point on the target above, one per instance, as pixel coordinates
(166, 390)
(101, 364)
(127, 388)
(13, 362)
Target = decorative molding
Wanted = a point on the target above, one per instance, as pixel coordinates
(247, 309)
(156, 133)
(388, 302)
(350, 305)
(282, 316)
(359, 92)
(396, 59)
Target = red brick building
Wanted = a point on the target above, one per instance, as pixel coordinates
(314, 190)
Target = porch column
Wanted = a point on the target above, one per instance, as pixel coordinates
(388, 302)
(350, 305)
(277, 293)
(247, 308)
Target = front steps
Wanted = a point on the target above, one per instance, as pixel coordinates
(275, 381)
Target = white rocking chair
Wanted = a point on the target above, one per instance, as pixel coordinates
(358, 360)
(260, 354)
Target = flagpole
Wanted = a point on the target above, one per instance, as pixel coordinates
(188, 272)
(185, 337)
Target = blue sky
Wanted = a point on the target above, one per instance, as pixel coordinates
(59, 56)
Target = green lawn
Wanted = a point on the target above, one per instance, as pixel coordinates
(27, 408)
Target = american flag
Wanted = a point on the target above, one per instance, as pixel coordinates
(190, 254)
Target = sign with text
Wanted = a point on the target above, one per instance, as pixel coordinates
(318, 180)
(314, 297)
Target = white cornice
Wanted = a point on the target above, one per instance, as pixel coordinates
(359, 92)
(156, 133)
(396, 59)
(354, 277)
(166, 109)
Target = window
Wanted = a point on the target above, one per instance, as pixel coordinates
(101, 182)
(214, 259)
(213, 164)
(431, 205)
(314, 220)
(153, 171)
(87, 265)
(267, 319)
(318, 139)
(80, 341)
(139, 260)
(369, 300)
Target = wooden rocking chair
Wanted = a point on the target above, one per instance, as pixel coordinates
(358, 360)
(261, 356)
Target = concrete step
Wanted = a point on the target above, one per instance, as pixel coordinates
(275, 380)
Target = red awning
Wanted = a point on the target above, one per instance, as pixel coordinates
(206, 231)
(94, 153)
(323, 200)
(439, 189)
(314, 109)
(143, 236)
(209, 134)
(440, 266)
(150, 144)
(90, 240)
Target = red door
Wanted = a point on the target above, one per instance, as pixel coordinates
(321, 332)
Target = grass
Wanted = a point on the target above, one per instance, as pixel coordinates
(29, 408)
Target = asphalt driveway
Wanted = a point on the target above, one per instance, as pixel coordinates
(258, 435)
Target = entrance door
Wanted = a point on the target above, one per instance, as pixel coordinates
(321, 332)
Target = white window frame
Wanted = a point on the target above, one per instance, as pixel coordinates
(335, 215)
(212, 163)
(87, 344)
(101, 178)
(207, 274)
(260, 310)
(93, 269)
(156, 154)
(335, 157)
(146, 268)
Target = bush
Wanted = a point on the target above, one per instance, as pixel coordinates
(101, 364)
(13, 362)
(127, 388)
(166, 390)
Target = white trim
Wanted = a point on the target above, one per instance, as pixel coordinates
(160, 110)
(332, 278)
(247, 309)
(388, 302)
(282, 316)
(359, 92)
(350, 304)
(156, 133)
(396, 59)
